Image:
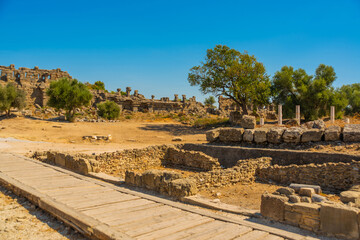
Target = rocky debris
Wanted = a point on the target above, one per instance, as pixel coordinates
(177, 139)
(212, 135)
(248, 122)
(292, 135)
(274, 135)
(273, 206)
(317, 124)
(260, 135)
(294, 198)
(307, 192)
(286, 191)
(350, 196)
(248, 135)
(231, 134)
(94, 137)
(311, 135)
(332, 133)
(292, 123)
(298, 187)
(351, 133)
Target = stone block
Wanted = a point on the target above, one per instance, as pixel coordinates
(60, 159)
(308, 209)
(248, 122)
(182, 187)
(294, 198)
(307, 192)
(286, 191)
(351, 133)
(260, 135)
(310, 224)
(339, 220)
(212, 135)
(332, 133)
(248, 135)
(312, 135)
(305, 199)
(274, 135)
(297, 187)
(231, 134)
(293, 218)
(292, 135)
(349, 196)
(272, 206)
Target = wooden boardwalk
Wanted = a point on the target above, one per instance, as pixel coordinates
(104, 211)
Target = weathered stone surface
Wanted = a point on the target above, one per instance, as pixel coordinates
(318, 198)
(212, 135)
(311, 135)
(351, 133)
(248, 122)
(307, 192)
(293, 218)
(339, 220)
(182, 187)
(231, 134)
(305, 199)
(349, 196)
(297, 187)
(260, 135)
(332, 133)
(294, 198)
(272, 206)
(248, 135)
(292, 135)
(286, 191)
(319, 124)
(274, 135)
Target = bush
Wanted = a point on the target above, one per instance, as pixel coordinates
(11, 97)
(68, 94)
(108, 110)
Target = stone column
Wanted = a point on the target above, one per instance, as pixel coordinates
(183, 98)
(262, 121)
(136, 93)
(280, 114)
(152, 97)
(298, 116)
(128, 91)
(176, 97)
(332, 114)
(118, 91)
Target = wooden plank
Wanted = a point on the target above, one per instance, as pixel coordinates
(254, 235)
(117, 209)
(75, 190)
(85, 192)
(134, 216)
(231, 231)
(202, 231)
(272, 237)
(173, 229)
(169, 223)
(91, 203)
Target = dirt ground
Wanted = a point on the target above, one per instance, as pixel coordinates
(20, 219)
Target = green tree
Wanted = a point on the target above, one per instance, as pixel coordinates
(210, 101)
(352, 93)
(11, 97)
(68, 94)
(232, 74)
(98, 85)
(108, 110)
(313, 93)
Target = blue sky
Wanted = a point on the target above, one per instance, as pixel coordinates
(151, 45)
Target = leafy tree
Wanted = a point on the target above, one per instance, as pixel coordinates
(352, 93)
(313, 93)
(11, 97)
(98, 85)
(232, 74)
(108, 110)
(210, 101)
(68, 94)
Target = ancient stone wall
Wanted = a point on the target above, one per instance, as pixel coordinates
(331, 176)
(33, 81)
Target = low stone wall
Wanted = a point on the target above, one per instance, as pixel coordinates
(276, 135)
(162, 181)
(243, 172)
(77, 163)
(330, 176)
(193, 159)
(332, 219)
(229, 155)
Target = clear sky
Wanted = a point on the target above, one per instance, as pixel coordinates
(151, 45)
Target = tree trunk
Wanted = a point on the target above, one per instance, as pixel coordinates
(244, 108)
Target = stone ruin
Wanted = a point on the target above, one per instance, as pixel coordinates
(227, 106)
(33, 81)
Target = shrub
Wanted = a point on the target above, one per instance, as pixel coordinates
(11, 97)
(108, 110)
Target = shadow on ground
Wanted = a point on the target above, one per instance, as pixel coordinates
(174, 129)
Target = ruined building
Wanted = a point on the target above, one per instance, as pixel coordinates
(33, 81)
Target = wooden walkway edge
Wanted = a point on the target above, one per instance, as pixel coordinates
(120, 213)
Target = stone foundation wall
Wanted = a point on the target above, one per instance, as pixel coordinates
(192, 159)
(330, 176)
(332, 219)
(77, 163)
(277, 135)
